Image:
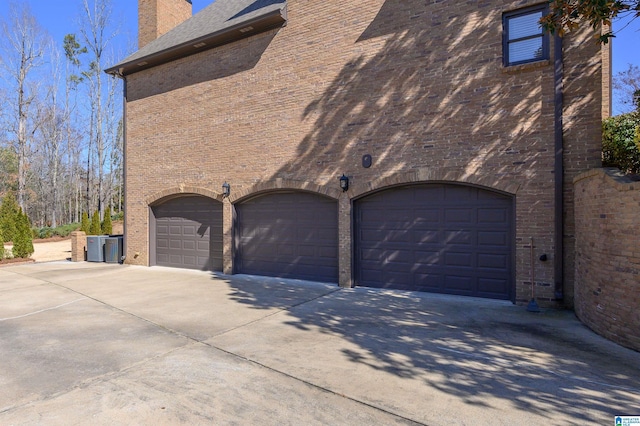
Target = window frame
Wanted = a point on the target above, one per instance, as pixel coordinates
(506, 41)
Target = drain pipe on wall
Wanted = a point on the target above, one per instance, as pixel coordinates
(533, 305)
(558, 76)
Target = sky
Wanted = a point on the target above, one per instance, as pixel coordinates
(60, 17)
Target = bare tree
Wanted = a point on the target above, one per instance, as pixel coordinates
(23, 49)
(53, 123)
(73, 50)
(626, 85)
(96, 36)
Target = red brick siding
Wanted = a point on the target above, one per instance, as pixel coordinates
(607, 292)
(420, 86)
(157, 17)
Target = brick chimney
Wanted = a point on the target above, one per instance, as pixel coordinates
(156, 17)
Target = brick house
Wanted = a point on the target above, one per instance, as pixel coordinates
(458, 128)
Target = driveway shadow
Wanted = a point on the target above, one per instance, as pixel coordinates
(479, 351)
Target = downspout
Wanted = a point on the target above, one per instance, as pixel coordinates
(124, 163)
(558, 76)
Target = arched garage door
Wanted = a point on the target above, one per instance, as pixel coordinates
(289, 235)
(440, 238)
(188, 233)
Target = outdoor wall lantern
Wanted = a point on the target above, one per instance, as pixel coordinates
(226, 190)
(344, 182)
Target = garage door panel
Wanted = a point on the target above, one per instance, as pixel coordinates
(455, 239)
(493, 238)
(493, 288)
(495, 261)
(492, 216)
(188, 233)
(458, 237)
(458, 259)
(427, 258)
(458, 215)
(291, 235)
(459, 284)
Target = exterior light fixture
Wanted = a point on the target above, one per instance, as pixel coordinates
(344, 182)
(226, 190)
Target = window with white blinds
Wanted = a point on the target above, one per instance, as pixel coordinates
(524, 39)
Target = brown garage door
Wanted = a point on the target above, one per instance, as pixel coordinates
(438, 238)
(188, 233)
(289, 235)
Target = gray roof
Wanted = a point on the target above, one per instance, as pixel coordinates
(219, 23)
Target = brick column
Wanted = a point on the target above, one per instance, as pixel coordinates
(78, 246)
(344, 240)
(227, 236)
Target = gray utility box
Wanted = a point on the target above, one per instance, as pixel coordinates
(95, 247)
(113, 249)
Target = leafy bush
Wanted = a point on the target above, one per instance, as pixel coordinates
(95, 227)
(23, 241)
(60, 231)
(107, 228)
(66, 230)
(118, 216)
(85, 225)
(1, 246)
(619, 146)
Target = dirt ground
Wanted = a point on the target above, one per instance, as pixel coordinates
(47, 251)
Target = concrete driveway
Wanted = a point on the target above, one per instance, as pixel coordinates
(93, 343)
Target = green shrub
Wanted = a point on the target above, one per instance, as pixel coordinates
(45, 232)
(95, 228)
(107, 228)
(8, 216)
(118, 216)
(66, 230)
(23, 241)
(619, 147)
(1, 246)
(60, 231)
(85, 225)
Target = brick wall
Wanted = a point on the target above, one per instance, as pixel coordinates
(607, 293)
(419, 86)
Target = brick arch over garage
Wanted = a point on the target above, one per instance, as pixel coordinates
(179, 191)
(284, 185)
(359, 189)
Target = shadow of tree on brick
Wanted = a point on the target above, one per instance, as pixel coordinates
(424, 93)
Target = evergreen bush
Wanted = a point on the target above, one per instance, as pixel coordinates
(85, 225)
(8, 216)
(107, 228)
(23, 240)
(95, 228)
(1, 246)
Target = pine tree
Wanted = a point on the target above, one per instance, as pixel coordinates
(107, 228)
(23, 239)
(94, 229)
(1, 246)
(85, 225)
(8, 216)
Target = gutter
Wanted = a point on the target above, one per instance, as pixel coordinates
(558, 77)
